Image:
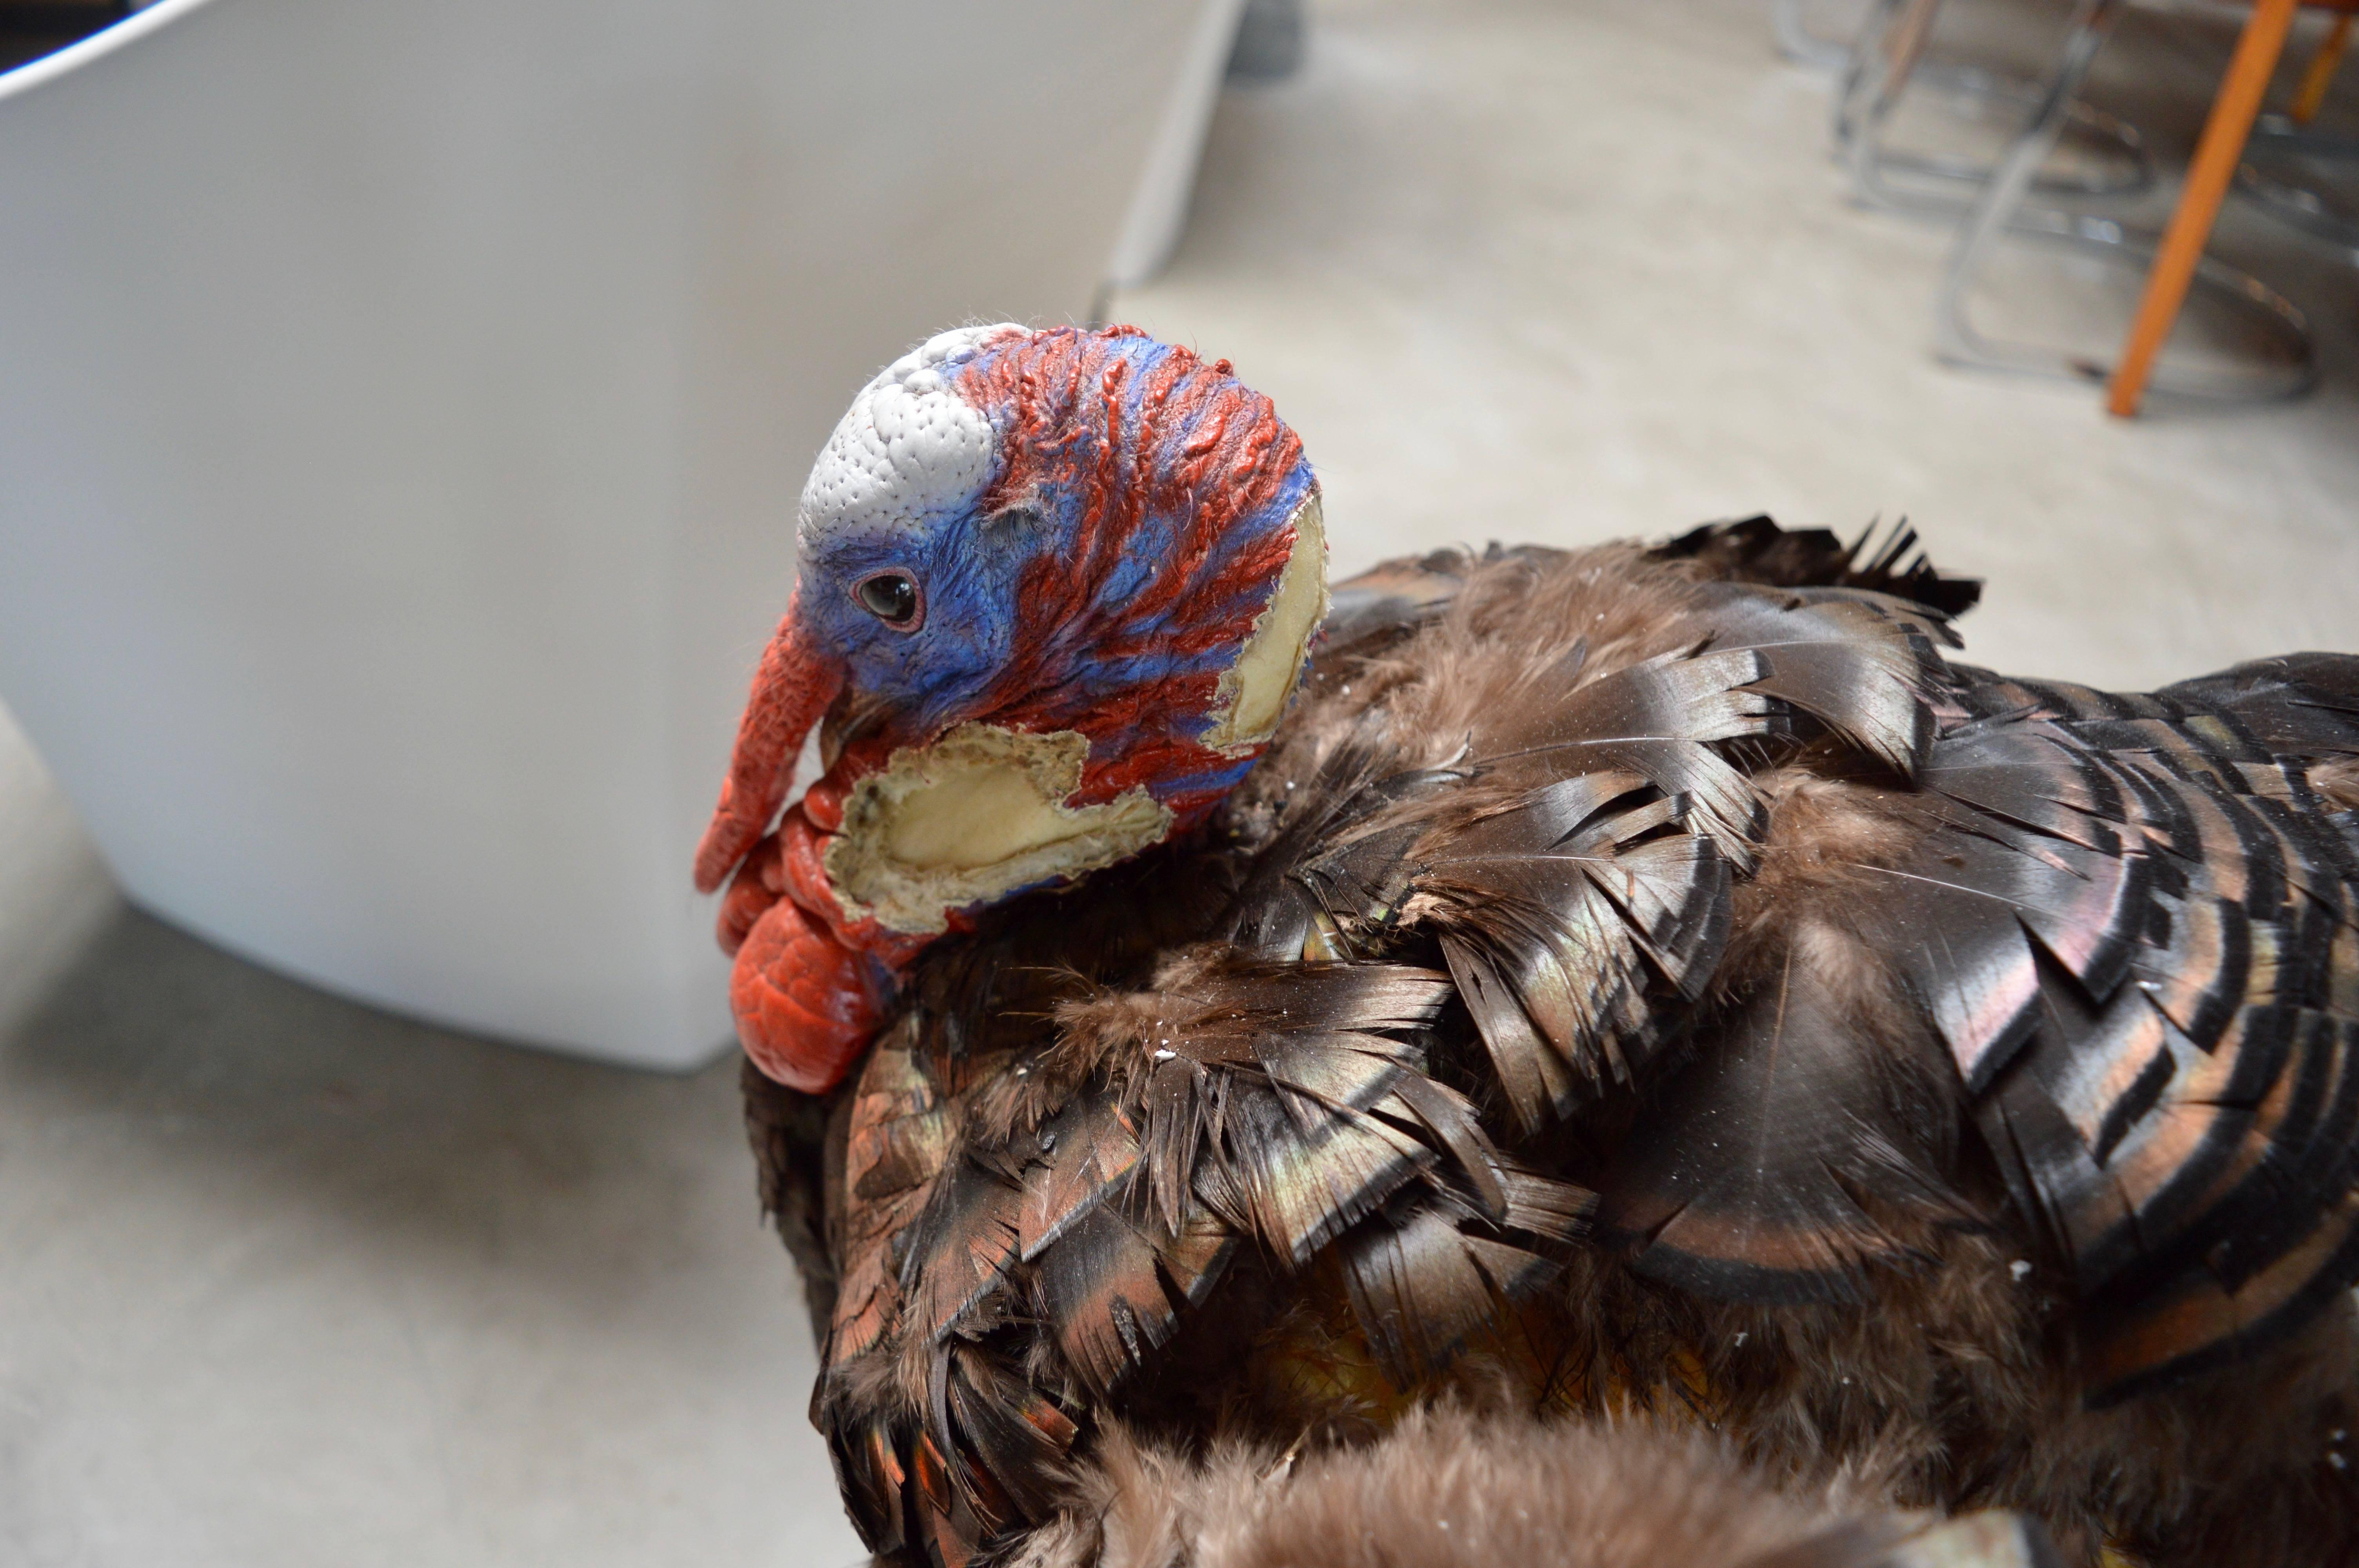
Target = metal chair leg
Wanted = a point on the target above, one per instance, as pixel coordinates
(2281, 144)
(2282, 139)
(1886, 58)
(2000, 214)
(1799, 44)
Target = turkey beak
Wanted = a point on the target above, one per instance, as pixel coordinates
(794, 684)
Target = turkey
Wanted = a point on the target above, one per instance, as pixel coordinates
(1187, 1016)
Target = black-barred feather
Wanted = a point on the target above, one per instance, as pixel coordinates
(1101, 1290)
(1419, 1286)
(1018, 1437)
(1695, 878)
(960, 1248)
(1081, 1151)
(1856, 663)
(1657, 720)
(1747, 1179)
(1556, 915)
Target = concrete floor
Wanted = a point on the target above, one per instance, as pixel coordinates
(1570, 271)
(293, 1283)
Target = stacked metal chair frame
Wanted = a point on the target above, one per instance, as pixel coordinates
(2280, 140)
(1889, 56)
(1799, 44)
(1886, 57)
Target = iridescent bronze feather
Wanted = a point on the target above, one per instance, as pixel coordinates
(1652, 978)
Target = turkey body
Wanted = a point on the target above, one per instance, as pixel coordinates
(1659, 981)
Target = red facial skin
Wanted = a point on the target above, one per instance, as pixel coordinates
(804, 1003)
(809, 984)
(804, 999)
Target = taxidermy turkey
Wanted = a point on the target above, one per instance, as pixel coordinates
(1623, 996)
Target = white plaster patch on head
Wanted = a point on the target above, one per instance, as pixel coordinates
(973, 816)
(1253, 692)
(909, 448)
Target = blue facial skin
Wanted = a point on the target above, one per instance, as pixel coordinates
(913, 685)
(918, 683)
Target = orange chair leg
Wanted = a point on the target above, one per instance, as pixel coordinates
(2216, 155)
(2320, 74)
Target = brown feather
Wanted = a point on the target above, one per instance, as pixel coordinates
(2026, 1012)
(1749, 1177)
(1419, 1287)
(1099, 1292)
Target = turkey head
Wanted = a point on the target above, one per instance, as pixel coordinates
(1056, 588)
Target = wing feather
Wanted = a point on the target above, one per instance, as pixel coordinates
(1419, 1286)
(1100, 1291)
(2118, 944)
(1744, 1180)
(2132, 923)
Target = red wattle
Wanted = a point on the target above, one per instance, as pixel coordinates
(809, 986)
(804, 1003)
(758, 885)
(824, 802)
(802, 873)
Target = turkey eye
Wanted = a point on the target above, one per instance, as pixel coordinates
(890, 597)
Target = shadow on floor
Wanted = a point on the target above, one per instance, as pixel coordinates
(285, 1271)
(384, 1122)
